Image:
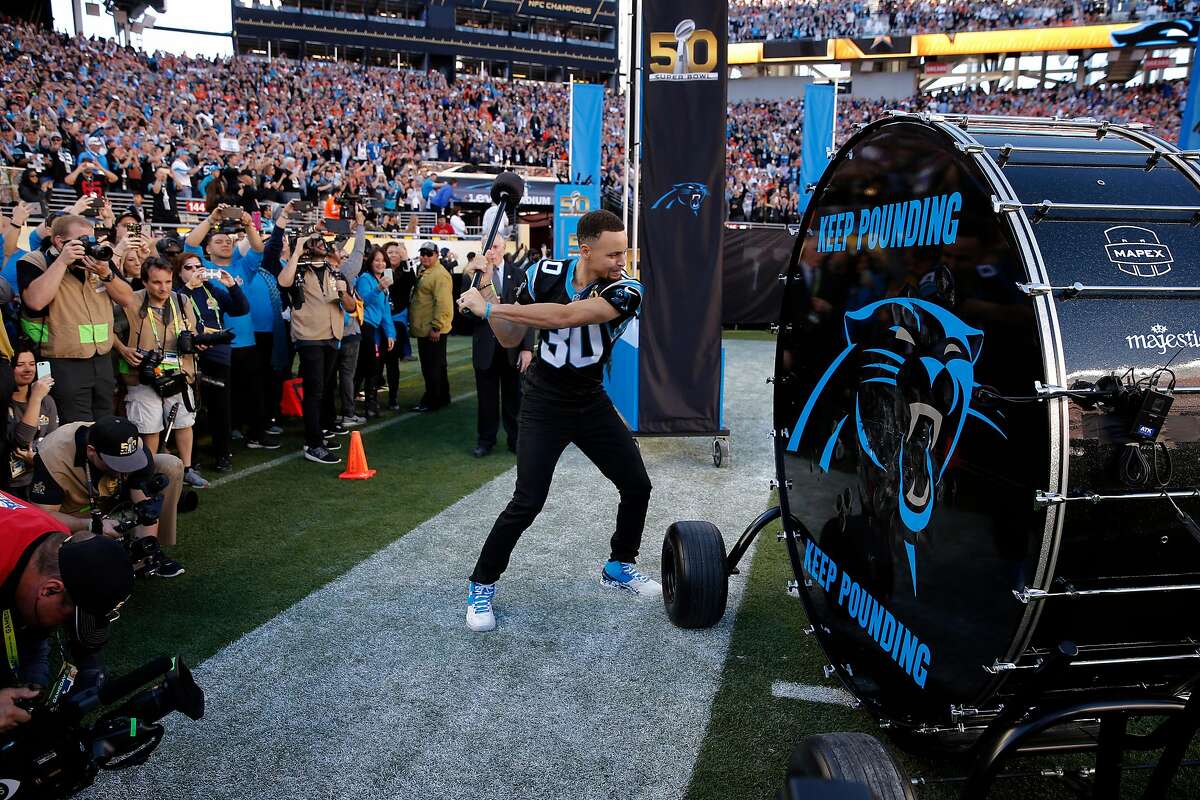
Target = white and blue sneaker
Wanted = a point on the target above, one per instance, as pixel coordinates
(622, 575)
(480, 616)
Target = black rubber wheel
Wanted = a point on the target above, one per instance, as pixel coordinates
(853, 757)
(695, 585)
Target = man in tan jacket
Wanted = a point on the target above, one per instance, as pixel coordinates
(67, 305)
(320, 297)
(432, 312)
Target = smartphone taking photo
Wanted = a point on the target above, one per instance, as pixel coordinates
(43, 369)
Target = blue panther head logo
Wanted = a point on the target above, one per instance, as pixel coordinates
(691, 195)
(916, 380)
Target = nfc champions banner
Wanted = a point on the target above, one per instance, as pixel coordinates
(682, 214)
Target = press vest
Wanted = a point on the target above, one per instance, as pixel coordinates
(321, 317)
(150, 332)
(78, 321)
(57, 452)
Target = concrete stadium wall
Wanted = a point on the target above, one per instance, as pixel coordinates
(766, 88)
(888, 85)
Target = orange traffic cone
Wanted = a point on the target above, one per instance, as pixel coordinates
(356, 469)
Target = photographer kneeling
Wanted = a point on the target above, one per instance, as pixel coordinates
(320, 296)
(160, 364)
(103, 470)
(47, 580)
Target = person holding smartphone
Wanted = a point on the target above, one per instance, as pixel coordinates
(32, 415)
(215, 299)
(378, 328)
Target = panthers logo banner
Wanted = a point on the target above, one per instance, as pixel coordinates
(684, 66)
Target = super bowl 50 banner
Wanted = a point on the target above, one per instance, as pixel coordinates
(570, 203)
(682, 212)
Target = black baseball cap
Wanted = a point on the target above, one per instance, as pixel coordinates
(130, 212)
(119, 444)
(169, 245)
(429, 247)
(98, 577)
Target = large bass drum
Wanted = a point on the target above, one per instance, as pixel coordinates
(953, 515)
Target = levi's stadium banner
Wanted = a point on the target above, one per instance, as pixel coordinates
(1158, 33)
(683, 87)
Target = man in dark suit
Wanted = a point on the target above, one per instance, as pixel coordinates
(498, 369)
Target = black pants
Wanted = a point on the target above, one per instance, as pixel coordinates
(499, 391)
(83, 388)
(433, 369)
(271, 381)
(317, 365)
(216, 401)
(392, 359)
(247, 381)
(370, 365)
(546, 430)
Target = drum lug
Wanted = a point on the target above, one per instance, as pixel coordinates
(973, 149)
(1153, 160)
(999, 666)
(830, 670)
(1001, 206)
(793, 587)
(810, 630)
(1028, 593)
(781, 536)
(1042, 498)
(774, 484)
(1102, 131)
(1034, 289)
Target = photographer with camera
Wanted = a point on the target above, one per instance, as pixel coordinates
(159, 365)
(214, 299)
(48, 580)
(100, 477)
(68, 287)
(320, 297)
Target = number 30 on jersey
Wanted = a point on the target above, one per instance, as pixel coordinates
(559, 346)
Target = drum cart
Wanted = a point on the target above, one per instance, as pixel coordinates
(979, 573)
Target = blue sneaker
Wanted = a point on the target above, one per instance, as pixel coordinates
(480, 616)
(622, 575)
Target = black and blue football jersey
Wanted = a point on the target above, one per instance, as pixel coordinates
(570, 361)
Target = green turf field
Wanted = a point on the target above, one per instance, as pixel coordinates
(261, 542)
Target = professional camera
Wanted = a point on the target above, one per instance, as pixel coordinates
(167, 383)
(187, 341)
(57, 754)
(94, 248)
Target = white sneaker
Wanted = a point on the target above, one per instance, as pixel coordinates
(622, 575)
(480, 616)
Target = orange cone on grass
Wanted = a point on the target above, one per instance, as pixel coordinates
(356, 469)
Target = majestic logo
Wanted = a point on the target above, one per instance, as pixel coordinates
(912, 397)
(677, 57)
(690, 195)
(1137, 251)
(1161, 341)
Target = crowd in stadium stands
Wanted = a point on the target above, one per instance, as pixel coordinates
(755, 20)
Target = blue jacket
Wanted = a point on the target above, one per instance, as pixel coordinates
(214, 304)
(377, 312)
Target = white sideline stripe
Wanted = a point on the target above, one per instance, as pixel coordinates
(813, 694)
(275, 462)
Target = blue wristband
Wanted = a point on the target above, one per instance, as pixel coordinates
(487, 310)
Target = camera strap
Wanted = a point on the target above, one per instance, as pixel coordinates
(10, 642)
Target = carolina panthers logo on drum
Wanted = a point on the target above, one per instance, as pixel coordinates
(912, 397)
(1137, 251)
(690, 195)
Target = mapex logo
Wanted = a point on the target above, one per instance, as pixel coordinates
(690, 195)
(1137, 251)
(677, 57)
(1162, 342)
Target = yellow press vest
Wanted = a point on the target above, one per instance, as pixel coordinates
(77, 323)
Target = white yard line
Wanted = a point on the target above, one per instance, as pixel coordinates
(813, 694)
